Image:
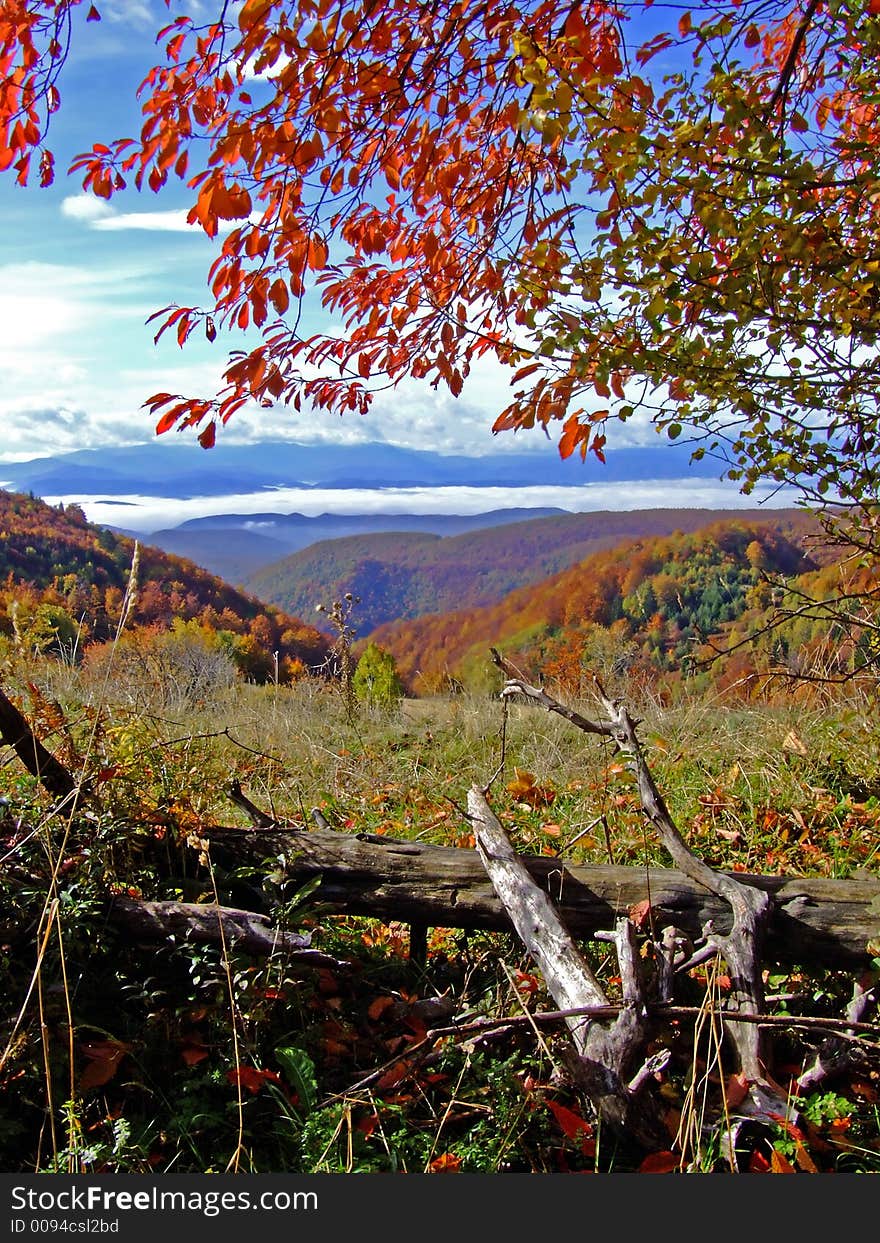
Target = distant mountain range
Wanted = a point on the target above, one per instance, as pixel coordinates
(181, 469)
(237, 546)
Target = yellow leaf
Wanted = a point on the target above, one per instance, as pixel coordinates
(791, 742)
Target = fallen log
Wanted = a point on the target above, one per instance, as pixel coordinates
(815, 921)
(206, 924)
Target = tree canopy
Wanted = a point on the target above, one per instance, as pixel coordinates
(635, 207)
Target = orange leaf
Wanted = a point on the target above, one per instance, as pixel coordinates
(780, 1164)
(525, 790)
(394, 1075)
(379, 1006)
(446, 1163)
(192, 1054)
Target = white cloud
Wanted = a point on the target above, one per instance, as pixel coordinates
(149, 513)
(84, 207)
(157, 221)
(97, 214)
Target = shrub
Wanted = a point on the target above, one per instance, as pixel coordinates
(376, 681)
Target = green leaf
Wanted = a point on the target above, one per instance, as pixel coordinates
(299, 1071)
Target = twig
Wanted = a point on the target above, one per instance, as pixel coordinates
(656, 1010)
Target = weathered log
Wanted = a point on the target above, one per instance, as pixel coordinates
(814, 921)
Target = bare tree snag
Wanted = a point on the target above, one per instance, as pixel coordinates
(601, 1054)
(40, 763)
(743, 946)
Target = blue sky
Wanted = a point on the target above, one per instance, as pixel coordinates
(79, 277)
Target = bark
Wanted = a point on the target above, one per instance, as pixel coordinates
(743, 945)
(600, 1055)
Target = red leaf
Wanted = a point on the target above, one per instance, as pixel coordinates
(660, 1163)
(166, 422)
(208, 437)
(758, 1163)
(104, 1058)
(736, 1090)
(251, 1078)
(640, 913)
(572, 1124)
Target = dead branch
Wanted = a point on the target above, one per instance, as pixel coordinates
(600, 1055)
(837, 1052)
(743, 946)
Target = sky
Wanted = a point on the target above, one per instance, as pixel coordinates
(79, 278)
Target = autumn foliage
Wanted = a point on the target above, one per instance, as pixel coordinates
(66, 584)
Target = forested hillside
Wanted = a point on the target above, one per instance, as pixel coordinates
(651, 605)
(65, 584)
(407, 575)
